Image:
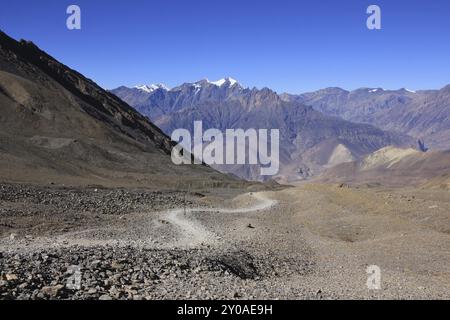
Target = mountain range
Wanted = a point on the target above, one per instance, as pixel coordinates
(424, 114)
(57, 125)
(311, 141)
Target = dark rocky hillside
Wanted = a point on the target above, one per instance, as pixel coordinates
(58, 126)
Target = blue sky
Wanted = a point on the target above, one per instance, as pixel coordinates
(290, 46)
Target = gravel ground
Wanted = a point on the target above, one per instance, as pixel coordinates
(315, 243)
(30, 210)
(129, 273)
(92, 200)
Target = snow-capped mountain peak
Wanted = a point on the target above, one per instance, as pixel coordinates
(376, 90)
(152, 87)
(230, 81)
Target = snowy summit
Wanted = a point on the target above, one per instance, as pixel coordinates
(221, 82)
(152, 87)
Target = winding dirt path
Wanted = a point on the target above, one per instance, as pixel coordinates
(193, 234)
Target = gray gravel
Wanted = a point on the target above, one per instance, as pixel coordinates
(129, 273)
(93, 200)
(316, 243)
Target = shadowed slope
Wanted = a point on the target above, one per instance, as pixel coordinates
(56, 125)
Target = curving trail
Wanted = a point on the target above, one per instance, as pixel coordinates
(194, 234)
(190, 232)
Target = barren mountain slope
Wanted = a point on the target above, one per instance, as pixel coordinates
(395, 167)
(57, 126)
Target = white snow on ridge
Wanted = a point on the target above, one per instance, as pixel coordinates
(152, 87)
(221, 82)
(144, 88)
(218, 83)
(381, 89)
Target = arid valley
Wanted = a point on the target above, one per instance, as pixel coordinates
(313, 241)
(93, 207)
